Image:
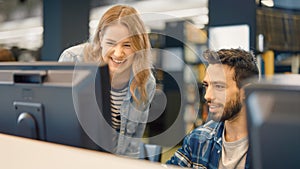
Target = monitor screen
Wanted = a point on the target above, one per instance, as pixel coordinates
(273, 116)
(64, 103)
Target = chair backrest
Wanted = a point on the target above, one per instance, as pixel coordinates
(150, 152)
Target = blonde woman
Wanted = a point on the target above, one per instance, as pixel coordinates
(122, 42)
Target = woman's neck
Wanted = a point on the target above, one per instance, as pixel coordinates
(119, 80)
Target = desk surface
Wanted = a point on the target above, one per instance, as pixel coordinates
(17, 152)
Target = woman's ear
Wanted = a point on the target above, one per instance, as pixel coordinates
(100, 35)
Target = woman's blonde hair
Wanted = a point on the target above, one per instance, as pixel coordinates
(141, 66)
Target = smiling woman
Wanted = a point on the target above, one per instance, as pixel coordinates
(121, 41)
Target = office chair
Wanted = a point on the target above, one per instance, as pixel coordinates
(150, 152)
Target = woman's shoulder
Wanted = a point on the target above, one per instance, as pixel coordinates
(151, 78)
(151, 83)
(73, 54)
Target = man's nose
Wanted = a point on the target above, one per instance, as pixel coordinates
(209, 94)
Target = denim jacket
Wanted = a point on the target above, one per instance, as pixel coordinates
(133, 117)
(202, 148)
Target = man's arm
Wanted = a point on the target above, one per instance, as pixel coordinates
(182, 157)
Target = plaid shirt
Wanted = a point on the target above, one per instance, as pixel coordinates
(202, 148)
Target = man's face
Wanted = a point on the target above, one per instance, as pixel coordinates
(222, 93)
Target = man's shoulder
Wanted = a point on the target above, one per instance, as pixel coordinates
(209, 128)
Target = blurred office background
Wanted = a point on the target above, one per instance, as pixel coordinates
(39, 30)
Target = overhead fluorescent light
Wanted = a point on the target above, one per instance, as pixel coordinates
(269, 3)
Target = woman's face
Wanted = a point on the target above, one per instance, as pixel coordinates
(117, 49)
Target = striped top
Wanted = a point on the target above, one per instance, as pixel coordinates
(117, 98)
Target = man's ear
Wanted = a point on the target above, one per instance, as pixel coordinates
(242, 95)
(242, 91)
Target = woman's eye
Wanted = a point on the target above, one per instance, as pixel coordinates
(127, 45)
(110, 43)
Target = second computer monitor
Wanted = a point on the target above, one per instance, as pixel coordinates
(273, 113)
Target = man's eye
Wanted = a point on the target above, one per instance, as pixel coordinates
(219, 86)
(204, 85)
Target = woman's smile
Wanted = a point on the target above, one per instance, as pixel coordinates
(118, 61)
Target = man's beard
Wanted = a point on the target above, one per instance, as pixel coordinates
(232, 109)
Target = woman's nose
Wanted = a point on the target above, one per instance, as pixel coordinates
(118, 51)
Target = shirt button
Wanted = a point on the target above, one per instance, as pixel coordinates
(218, 151)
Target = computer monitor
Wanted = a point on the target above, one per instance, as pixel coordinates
(64, 103)
(273, 118)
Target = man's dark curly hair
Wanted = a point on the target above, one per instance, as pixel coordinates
(243, 62)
